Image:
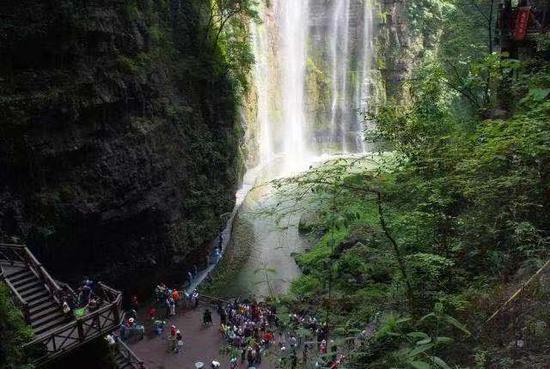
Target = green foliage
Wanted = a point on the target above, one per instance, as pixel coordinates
(464, 197)
(13, 333)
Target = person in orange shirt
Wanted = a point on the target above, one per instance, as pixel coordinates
(176, 296)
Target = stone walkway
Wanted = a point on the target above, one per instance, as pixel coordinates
(200, 344)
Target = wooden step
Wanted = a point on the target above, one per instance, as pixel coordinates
(46, 319)
(28, 286)
(17, 276)
(50, 325)
(25, 280)
(39, 299)
(51, 309)
(45, 305)
(35, 290)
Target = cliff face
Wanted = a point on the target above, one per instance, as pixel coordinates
(118, 135)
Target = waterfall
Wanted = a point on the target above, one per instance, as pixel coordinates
(339, 39)
(312, 76)
(261, 77)
(292, 61)
(365, 85)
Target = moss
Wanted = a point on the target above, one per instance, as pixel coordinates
(13, 333)
(236, 255)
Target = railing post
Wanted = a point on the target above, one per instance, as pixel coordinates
(116, 313)
(80, 329)
(27, 313)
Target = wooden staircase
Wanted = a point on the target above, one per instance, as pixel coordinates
(44, 313)
(40, 299)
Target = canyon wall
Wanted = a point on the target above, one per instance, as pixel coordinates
(119, 137)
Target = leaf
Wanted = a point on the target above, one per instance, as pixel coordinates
(443, 339)
(457, 324)
(420, 364)
(402, 320)
(539, 94)
(424, 341)
(427, 316)
(420, 335)
(420, 349)
(439, 362)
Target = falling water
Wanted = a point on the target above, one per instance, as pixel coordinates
(339, 39)
(292, 60)
(365, 85)
(261, 76)
(312, 76)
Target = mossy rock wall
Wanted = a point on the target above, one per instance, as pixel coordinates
(119, 136)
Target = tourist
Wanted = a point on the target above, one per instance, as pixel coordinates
(207, 317)
(251, 356)
(293, 341)
(176, 296)
(195, 299)
(172, 304)
(66, 308)
(151, 313)
(159, 327)
(293, 360)
(179, 341)
(132, 313)
(172, 337)
(323, 347)
(111, 342)
(134, 302)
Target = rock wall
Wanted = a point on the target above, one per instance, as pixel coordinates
(397, 46)
(118, 142)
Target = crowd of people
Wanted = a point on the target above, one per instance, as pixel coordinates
(252, 328)
(248, 327)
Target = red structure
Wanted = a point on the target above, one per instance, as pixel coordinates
(522, 17)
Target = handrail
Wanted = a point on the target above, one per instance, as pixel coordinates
(15, 251)
(114, 293)
(77, 321)
(51, 284)
(79, 330)
(30, 260)
(130, 357)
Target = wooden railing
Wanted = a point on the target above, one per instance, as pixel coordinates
(129, 356)
(21, 254)
(83, 329)
(54, 343)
